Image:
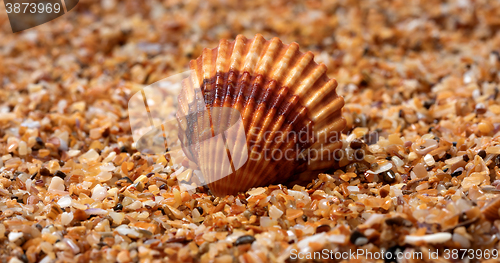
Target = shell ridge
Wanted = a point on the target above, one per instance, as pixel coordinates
(270, 53)
(221, 59)
(278, 100)
(253, 54)
(257, 118)
(250, 96)
(310, 80)
(326, 111)
(237, 53)
(207, 64)
(298, 69)
(277, 72)
(327, 88)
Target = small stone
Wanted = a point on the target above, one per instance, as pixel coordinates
(429, 103)
(89, 156)
(465, 157)
(480, 108)
(292, 214)
(123, 256)
(247, 239)
(493, 150)
(482, 154)
(124, 180)
(104, 176)
(457, 172)
(257, 191)
(154, 189)
(57, 184)
(95, 134)
(39, 144)
(15, 260)
(64, 201)
(99, 192)
(117, 217)
(43, 153)
(200, 210)
(357, 144)
(23, 148)
(14, 236)
(412, 156)
(484, 127)
(389, 176)
(60, 174)
(357, 238)
(429, 160)
(135, 205)
(118, 207)
(275, 212)
(45, 172)
(323, 228)
(39, 182)
(66, 218)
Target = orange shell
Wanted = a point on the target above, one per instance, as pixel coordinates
(279, 91)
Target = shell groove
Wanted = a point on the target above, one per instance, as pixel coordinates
(289, 109)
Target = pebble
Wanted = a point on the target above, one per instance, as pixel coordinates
(480, 108)
(64, 201)
(23, 148)
(357, 144)
(200, 210)
(66, 218)
(57, 184)
(117, 217)
(323, 228)
(60, 174)
(436, 238)
(104, 176)
(275, 212)
(123, 256)
(357, 238)
(493, 150)
(118, 207)
(389, 176)
(457, 172)
(247, 239)
(99, 192)
(429, 160)
(39, 144)
(89, 156)
(14, 236)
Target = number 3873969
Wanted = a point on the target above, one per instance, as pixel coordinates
(33, 8)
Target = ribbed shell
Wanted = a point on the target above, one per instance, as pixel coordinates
(278, 90)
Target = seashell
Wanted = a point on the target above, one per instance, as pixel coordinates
(284, 101)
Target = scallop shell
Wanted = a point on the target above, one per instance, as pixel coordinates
(287, 103)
